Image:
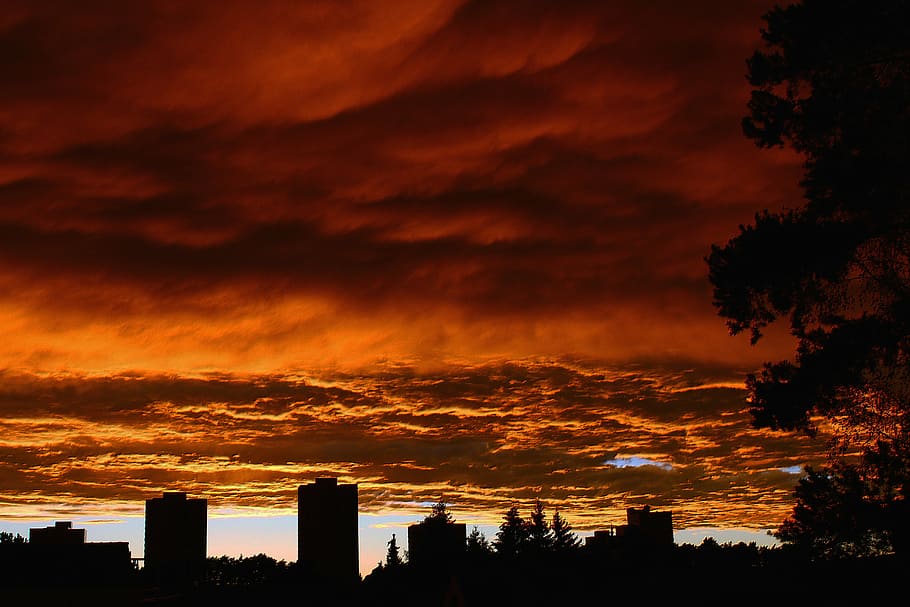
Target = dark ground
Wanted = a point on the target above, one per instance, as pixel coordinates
(882, 581)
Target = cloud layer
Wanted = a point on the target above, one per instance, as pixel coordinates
(215, 186)
(440, 248)
(587, 440)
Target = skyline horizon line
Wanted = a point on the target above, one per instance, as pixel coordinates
(275, 536)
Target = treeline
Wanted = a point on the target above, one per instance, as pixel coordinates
(517, 537)
(539, 560)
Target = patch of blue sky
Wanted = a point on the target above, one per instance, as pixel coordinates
(635, 462)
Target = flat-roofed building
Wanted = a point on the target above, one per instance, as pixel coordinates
(60, 555)
(649, 527)
(175, 536)
(61, 534)
(327, 542)
(646, 535)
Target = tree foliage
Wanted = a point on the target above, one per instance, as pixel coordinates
(393, 556)
(7, 537)
(534, 536)
(846, 510)
(832, 518)
(477, 545)
(257, 570)
(512, 537)
(564, 539)
(833, 83)
(439, 515)
(540, 537)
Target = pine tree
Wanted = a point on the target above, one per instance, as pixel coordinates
(563, 537)
(439, 514)
(393, 558)
(477, 544)
(512, 537)
(540, 539)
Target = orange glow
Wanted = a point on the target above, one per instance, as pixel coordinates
(441, 249)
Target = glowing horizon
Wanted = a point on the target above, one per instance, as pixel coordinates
(276, 536)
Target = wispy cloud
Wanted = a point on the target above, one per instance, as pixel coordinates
(586, 439)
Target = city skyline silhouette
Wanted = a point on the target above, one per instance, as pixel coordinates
(638, 560)
(175, 526)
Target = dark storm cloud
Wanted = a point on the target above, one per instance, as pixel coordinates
(527, 173)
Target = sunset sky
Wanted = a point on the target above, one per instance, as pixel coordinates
(443, 249)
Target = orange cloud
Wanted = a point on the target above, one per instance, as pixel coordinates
(239, 248)
(480, 436)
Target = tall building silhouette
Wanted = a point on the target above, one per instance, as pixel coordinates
(327, 543)
(645, 534)
(645, 525)
(175, 536)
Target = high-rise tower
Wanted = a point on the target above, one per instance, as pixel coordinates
(175, 536)
(327, 543)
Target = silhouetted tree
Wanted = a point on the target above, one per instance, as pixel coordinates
(392, 557)
(439, 514)
(712, 556)
(833, 517)
(833, 83)
(709, 544)
(513, 534)
(7, 537)
(886, 470)
(540, 539)
(564, 539)
(477, 545)
(257, 570)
